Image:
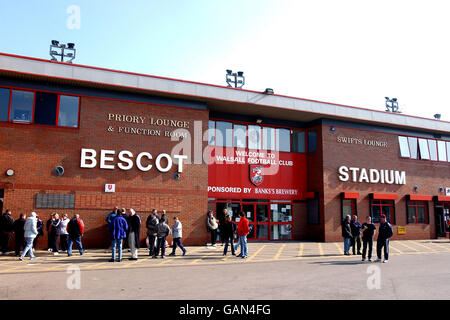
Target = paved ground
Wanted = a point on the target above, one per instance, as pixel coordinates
(291, 270)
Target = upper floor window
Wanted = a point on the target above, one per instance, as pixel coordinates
(228, 134)
(426, 149)
(44, 108)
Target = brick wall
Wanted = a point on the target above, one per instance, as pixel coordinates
(34, 151)
(427, 175)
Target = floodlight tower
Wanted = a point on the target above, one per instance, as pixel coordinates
(237, 79)
(63, 51)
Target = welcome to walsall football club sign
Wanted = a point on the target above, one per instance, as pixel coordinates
(257, 174)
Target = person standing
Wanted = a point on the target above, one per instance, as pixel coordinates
(229, 229)
(384, 233)
(125, 244)
(75, 229)
(368, 231)
(347, 234)
(211, 226)
(19, 232)
(40, 229)
(356, 234)
(62, 232)
(48, 226)
(152, 231)
(6, 228)
(177, 233)
(163, 232)
(243, 229)
(53, 233)
(118, 230)
(109, 218)
(221, 218)
(134, 227)
(30, 232)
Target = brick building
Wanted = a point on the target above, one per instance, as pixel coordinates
(79, 139)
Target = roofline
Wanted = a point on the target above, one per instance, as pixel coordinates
(196, 83)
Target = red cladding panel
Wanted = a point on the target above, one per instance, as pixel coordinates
(242, 173)
(418, 197)
(385, 196)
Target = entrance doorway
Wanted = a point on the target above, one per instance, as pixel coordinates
(268, 220)
(442, 211)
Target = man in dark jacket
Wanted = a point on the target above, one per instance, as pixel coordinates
(384, 233)
(6, 228)
(229, 229)
(163, 230)
(118, 231)
(347, 235)
(152, 230)
(134, 228)
(356, 234)
(18, 227)
(75, 228)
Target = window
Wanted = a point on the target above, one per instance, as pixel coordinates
(404, 147)
(417, 211)
(283, 138)
(4, 103)
(423, 148)
(224, 132)
(68, 111)
(22, 106)
(45, 108)
(413, 147)
(312, 141)
(268, 138)
(378, 207)
(254, 137)
(211, 133)
(348, 207)
(448, 151)
(240, 136)
(298, 141)
(42, 108)
(442, 153)
(433, 149)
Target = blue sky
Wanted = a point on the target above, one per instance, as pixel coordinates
(348, 52)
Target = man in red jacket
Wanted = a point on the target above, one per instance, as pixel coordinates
(243, 230)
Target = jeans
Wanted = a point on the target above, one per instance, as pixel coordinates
(365, 243)
(356, 242)
(347, 244)
(380, 244)
(28, 247)
(213, 236)
(63, 239)
(177, 242)
(20, 242)
(228, 240)
(4, 241)
(243, 244)
(53, 241)
(77, 240)
(133, 245)
(151, 244)
(161, 245)
(118, 243)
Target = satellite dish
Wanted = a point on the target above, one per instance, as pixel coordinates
(59, 171)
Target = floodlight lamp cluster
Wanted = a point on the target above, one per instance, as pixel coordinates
(63, 51)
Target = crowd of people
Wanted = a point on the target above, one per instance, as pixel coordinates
(124, 228)
(352, 230)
